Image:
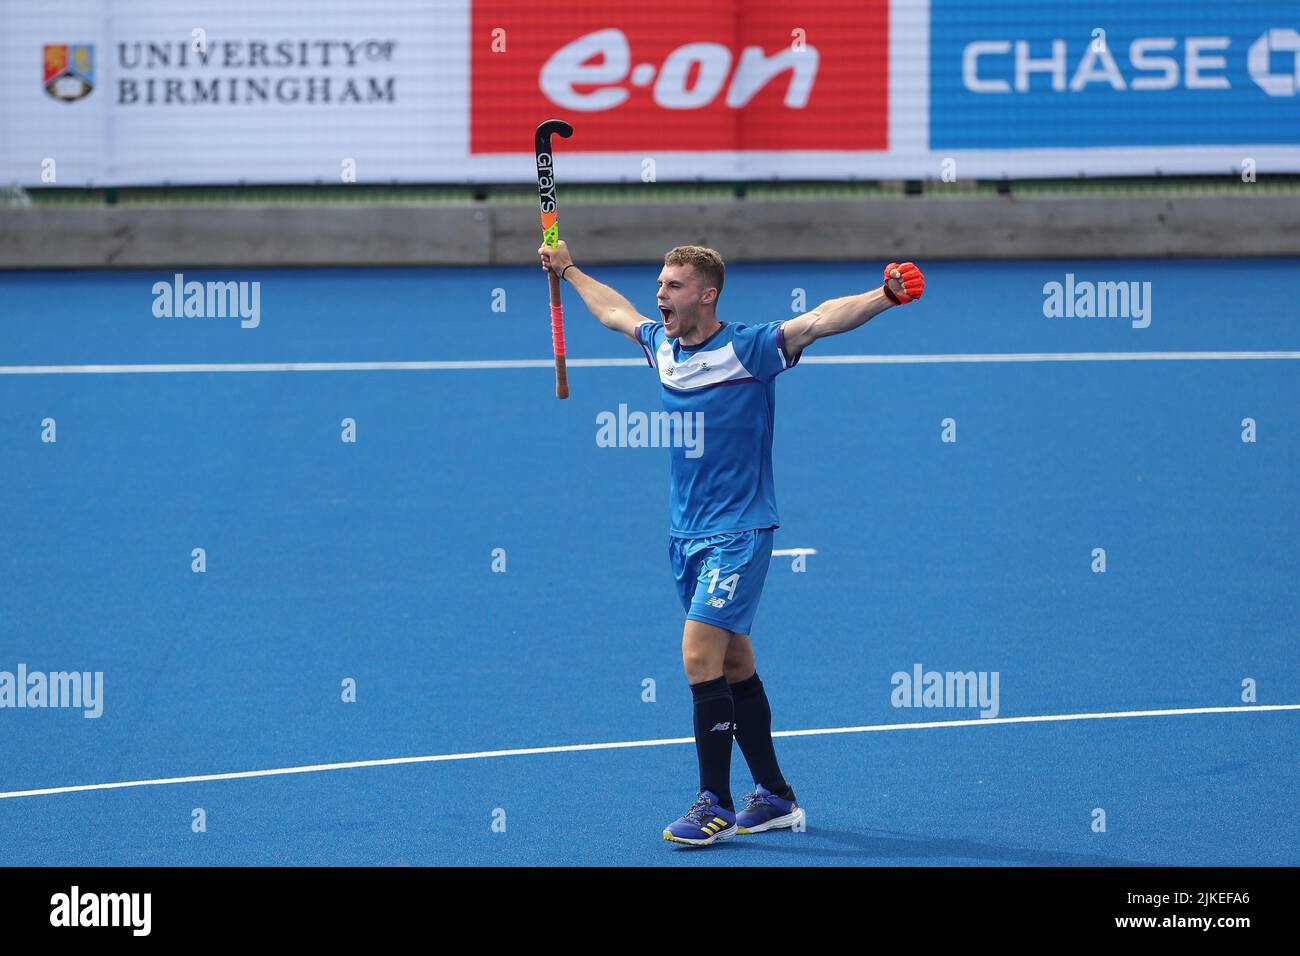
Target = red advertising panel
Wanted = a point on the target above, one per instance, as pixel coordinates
(729, 75)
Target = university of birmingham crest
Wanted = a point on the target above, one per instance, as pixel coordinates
(69, 70)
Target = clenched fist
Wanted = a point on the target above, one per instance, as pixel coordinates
(903, 283)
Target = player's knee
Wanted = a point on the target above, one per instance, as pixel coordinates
(739, 659)
(693, 662)
(737, 672)
(745, 667)
(736, 656)
(700, 667)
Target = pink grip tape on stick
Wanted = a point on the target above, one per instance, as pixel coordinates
(557, 330)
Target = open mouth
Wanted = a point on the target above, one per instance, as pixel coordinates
(667, 312)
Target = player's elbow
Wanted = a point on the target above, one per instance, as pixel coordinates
(799, 334)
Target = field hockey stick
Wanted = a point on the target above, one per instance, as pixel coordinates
(551, 237)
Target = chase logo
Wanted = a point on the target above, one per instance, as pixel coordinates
(69, 70)
(1153, 63)
(1260, 57)
(1111, 73)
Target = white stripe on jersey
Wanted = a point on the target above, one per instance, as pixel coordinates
(702, 369)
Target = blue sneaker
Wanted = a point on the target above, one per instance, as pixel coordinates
(704, 823)
(764, 810)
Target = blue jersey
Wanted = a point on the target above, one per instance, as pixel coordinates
(720, 398)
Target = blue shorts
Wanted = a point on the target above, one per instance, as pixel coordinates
(720, 579)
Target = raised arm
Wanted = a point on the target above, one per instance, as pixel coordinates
(607, 305)
(903, 284)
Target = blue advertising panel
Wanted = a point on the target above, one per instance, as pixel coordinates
(1028, 74)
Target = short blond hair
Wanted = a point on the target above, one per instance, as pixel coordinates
(706, 262)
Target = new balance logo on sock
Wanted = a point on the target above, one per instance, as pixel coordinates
(725, 725)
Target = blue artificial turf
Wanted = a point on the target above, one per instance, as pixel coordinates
(373, 561)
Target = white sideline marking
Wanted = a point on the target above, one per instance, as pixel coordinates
(571, 748)
(616, 362)
(1047, 357)
(306, 366)
(779, 552)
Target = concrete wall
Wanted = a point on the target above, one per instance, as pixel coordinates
(920, 227)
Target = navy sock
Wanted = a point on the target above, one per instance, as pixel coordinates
(714, 718)
(754, 734)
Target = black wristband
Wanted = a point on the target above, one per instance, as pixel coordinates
(566, 269)
(890, 292)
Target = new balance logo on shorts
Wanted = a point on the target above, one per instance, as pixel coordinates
(716, 602)
(725, 725)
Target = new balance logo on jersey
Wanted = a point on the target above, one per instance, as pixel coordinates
(725, 725)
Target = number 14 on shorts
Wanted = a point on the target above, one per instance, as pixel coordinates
(727, 584)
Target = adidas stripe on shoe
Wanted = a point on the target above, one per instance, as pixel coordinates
(704, 823)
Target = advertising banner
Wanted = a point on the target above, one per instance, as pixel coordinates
(146, 91)
(1106, 73)
(732, 75)
(175, 92)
